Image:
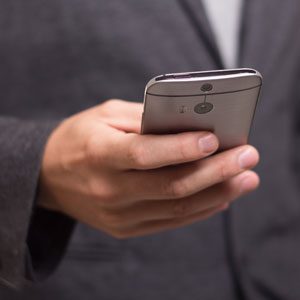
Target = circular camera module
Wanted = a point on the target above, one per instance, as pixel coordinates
(206, 87)
(203, 108)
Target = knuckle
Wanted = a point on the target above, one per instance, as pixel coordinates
(91, 151)
(108, 107)
(102, 193)
(111, 103)
(176, 189)
(224, 170)
(137, 155)
(89, 147)
(184, 150)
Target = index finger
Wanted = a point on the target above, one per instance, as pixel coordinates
(122, 115)
(144, 152)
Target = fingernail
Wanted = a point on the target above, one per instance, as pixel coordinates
(208, 143)
(248, 158)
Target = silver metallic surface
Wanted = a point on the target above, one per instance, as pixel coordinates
(172, 103)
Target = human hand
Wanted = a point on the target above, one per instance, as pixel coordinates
(98, 169)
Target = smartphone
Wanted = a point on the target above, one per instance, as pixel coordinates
(221, 101)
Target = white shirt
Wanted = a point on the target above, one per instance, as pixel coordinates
(225, 20)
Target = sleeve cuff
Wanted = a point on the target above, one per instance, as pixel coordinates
(22, 225)
(48, 236)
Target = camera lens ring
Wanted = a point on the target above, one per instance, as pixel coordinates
(206, 87)
(203, 108)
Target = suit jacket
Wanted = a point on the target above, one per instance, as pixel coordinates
(58, 57)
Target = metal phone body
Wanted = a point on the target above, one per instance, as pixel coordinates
(222, 101)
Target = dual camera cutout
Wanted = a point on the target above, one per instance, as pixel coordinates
(204, 107)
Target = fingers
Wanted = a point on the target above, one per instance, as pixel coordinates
(185, 180)
(122, 115)
(142, 152)
(152, 227)
(119, 108)
(211, 198)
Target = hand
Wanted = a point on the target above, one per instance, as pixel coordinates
(98, 169)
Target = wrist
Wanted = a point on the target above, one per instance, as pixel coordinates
(45, 196)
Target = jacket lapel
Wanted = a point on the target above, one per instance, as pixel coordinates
(196, 15)
(265, 31)
(269, 28)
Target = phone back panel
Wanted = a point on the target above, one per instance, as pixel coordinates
(175, 106)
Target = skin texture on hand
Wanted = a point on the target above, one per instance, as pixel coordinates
(99, 170)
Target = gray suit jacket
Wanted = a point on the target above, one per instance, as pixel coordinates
(58, 57)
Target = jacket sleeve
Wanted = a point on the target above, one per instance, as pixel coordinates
(32, 240)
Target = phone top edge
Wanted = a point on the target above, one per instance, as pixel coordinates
(181, 84)
(203, 74)
(211, 75)
(204, 93)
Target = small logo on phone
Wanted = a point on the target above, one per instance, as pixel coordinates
(183, 109)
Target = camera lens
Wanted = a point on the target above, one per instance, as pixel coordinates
(206, 87)
(203, 108)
